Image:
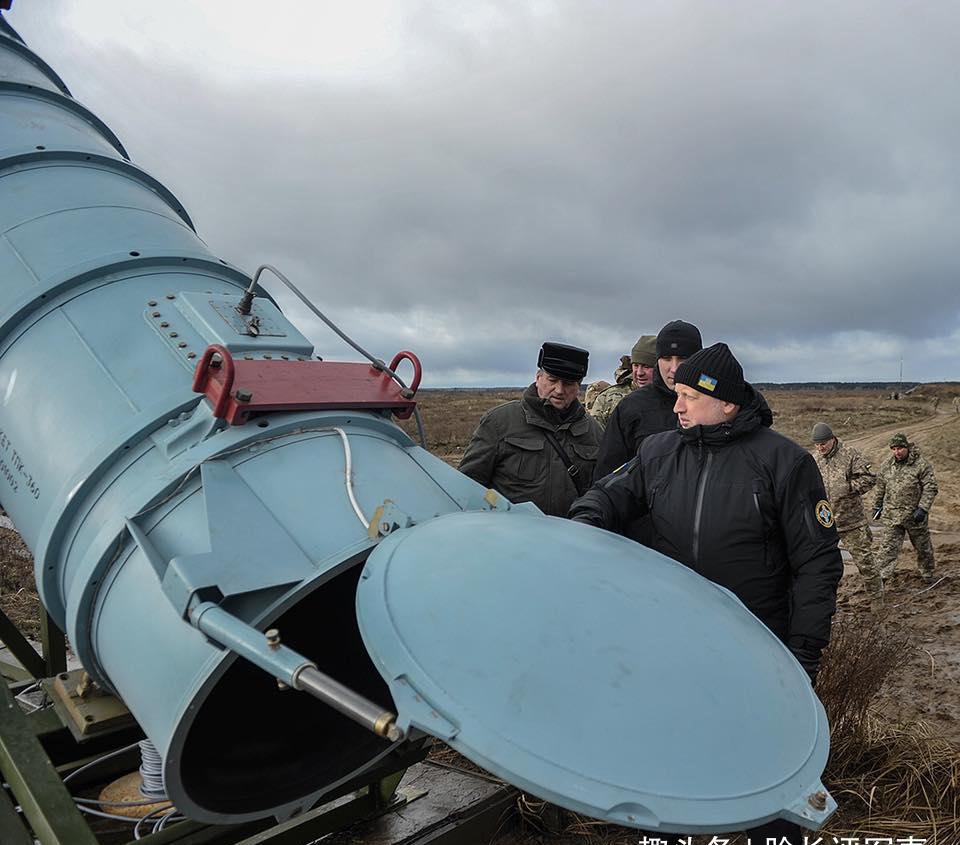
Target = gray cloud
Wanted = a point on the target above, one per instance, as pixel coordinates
(785, 176)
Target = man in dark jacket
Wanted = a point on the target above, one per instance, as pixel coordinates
(737, 502)
(648, 410)
(543, 447)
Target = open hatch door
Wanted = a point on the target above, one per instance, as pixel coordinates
(594, 673)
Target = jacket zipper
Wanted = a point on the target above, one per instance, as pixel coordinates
(701, 488)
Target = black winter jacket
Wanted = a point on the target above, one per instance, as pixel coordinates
(646, 411)
(745, 507)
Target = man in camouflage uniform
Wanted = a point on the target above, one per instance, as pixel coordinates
(635, 371)
(541, 448)
(592, 392)
(846, 477)
(906, 488)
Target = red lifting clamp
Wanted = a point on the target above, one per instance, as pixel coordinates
(238, 388)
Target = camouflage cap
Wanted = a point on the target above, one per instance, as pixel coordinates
(645, 351)
(899, 440)
(624, 372)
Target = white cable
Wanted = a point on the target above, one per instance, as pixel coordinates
(348, 476)
(90, 811)
(86, 766)
(151, 771)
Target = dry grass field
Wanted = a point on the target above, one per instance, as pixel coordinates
(903, 777)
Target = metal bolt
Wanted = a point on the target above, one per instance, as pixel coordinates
(191, 354)
(155, 314)
(285, 357)
(164, 325)
(818, 800)
(268, 357)
(247, 357)
(243, 395)
(170, 296)
(384, 527)
(152, 302)
(181, 344)
(174, 334)
(273, 637)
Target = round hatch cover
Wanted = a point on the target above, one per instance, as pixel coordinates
(593, 672)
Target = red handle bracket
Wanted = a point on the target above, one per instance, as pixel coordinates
(202, 375)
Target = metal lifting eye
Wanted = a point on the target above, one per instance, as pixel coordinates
(253, 327)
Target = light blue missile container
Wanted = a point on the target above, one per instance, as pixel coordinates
(576, 664)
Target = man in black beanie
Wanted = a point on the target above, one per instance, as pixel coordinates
(542, 447)
(738, 503)
(650, 409)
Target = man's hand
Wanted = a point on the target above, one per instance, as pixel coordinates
(919, 516)
(877, 512)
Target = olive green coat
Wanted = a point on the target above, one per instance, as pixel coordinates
(509, 453)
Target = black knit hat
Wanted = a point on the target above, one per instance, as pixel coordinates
(678, 338)
(714, 372)
(562, 361)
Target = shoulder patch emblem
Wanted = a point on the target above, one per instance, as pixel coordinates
(824, 513)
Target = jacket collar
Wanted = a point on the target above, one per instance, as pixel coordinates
(755, 413)
(541, 413)
(834, 450)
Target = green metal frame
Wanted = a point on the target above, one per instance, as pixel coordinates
(37, 749)
(33, 665)
(35, 783)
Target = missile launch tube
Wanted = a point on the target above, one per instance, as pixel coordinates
(189, 477)
(141, 503)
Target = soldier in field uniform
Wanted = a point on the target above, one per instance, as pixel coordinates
(846, 477)
(594, 389)
(906, 488)
(635, 371)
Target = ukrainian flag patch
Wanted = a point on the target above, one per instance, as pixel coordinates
(707, 382)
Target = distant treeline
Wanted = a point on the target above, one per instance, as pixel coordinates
(902, 387)
(891, 386)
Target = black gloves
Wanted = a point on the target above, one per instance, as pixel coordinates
(919, 516)
(807, 652)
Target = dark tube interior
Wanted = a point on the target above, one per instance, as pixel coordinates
(253, 747)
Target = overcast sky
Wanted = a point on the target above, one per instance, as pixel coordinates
(468, 179)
